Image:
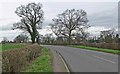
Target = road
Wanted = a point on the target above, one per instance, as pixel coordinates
(81, 60)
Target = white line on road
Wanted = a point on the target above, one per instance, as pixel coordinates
(104, 59)
(64, 62)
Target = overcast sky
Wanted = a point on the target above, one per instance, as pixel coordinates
(102, 14)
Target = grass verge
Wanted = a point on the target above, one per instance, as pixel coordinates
(42, 63)
(98, 49)
(0, 47)
(8, 46)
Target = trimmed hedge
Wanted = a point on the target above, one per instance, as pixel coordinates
(15, 60)
(114, 46)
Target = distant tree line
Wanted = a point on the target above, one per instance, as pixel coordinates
(21, 38)
(106, 36)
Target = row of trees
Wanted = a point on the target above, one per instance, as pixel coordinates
(22, 38)
(77, 39)
(69, 27)
(106, 36)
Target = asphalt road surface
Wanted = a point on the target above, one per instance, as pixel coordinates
(81, 60)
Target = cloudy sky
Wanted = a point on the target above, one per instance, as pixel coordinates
(102, 14)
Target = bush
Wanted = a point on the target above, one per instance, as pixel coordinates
(15, 60)
(114, 46)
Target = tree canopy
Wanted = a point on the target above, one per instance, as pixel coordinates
(31, 19)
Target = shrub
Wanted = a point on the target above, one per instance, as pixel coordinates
(15, 60)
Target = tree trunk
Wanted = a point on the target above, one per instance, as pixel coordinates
(37, 40)
(33, 37)
(69, 39)
(34, 33)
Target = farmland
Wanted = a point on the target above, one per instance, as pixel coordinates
(9, 46)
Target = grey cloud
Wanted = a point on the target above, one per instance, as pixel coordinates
(9, 26)
(108, 18)
(46, 23)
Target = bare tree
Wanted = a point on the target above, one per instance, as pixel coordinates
(40, 38)
(21, 38)
(69, 22)
(49, 38)
(31, 19)
(107, 35)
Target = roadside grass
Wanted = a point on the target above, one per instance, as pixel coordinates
(42, 63)
(9, 46)
(0, 47)
(97, 49)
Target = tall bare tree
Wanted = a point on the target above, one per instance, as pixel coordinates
(69, 22)
(31, 19)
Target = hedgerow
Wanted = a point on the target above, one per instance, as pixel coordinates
(15, 60)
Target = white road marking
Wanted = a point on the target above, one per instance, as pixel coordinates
(64, 62)
(104, 59)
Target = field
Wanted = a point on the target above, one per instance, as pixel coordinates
(9, 46)
(98, 49)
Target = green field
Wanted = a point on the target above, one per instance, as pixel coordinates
(42, 63)
(9, 46)
(98, 49)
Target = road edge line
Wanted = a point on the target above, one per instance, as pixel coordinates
(64, 62)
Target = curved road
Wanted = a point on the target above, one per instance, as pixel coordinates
(81, 60)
